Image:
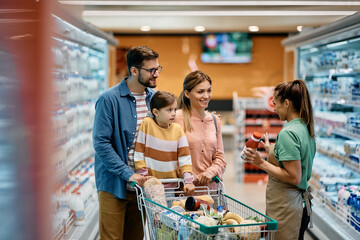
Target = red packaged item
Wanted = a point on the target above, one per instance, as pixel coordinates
(193, 204)
(253, 142)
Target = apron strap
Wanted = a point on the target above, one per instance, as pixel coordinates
(307, 197)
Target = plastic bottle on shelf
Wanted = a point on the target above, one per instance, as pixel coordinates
(352, 205)
(252, 142)
(340, 195)
(63, 199)
(346, 207)
(357, 215)
(73, 200)
(79, 210)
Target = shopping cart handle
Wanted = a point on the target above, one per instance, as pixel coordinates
(170, 180)
(133, 184)
(216, 179)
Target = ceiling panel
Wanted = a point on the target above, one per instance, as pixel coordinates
(215, 16)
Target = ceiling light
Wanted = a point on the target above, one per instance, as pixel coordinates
(215, 3)
(253, 28)
(215, 13)
(299, 28)
(199, 28)
(145, 28)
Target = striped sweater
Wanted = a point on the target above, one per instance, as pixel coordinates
(161, 151)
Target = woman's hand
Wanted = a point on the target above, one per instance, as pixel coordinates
(189, 188)
(269, 147)
(205, 178)
(253, 157)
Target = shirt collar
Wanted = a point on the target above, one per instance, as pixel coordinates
(294, 121)
(124, 89)
(196, 114)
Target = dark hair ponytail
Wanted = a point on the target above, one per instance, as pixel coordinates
(297, 92)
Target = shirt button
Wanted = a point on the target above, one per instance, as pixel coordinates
(133, 133)
(135, 116)
(128, 148)
(133, 100)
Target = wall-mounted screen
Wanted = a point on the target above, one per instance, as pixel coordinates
(227, 47)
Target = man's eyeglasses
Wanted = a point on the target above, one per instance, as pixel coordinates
(152, 71)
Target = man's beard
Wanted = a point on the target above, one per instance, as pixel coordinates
(144, 82)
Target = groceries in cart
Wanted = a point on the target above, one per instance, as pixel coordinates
(208, 214)
(154, 190)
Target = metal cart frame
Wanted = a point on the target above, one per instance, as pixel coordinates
(161, 222)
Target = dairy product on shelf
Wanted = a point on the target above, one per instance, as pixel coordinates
(79, 210)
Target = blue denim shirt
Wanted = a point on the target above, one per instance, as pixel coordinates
(113, 135)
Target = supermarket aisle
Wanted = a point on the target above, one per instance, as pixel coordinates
(252, 194)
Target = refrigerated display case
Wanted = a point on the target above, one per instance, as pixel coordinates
(80, 74)
(328, 59)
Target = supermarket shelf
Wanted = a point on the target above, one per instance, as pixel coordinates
(90, 229)
(62, 139)
(344, 161)
(228, 130)
(337, 101)
(326, 72)
(345, 134)
(67, 169)
(329, 224)
(255, 177)
(260, 122)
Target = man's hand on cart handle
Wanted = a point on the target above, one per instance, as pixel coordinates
(139, 179)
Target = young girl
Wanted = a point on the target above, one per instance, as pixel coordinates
(161, 145)
(290, 161)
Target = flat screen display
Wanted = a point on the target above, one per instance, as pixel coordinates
(226, 47)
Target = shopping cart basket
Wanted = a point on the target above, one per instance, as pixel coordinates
(163, 223)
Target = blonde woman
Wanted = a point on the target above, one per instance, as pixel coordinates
(202, 129)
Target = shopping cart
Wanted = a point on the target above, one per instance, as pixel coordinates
(163, 223)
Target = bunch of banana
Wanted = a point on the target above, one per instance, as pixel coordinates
(231, 215)
(232, 219)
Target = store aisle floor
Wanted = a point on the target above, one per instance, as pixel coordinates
(252, 194)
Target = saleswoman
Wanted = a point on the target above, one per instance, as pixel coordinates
(290, 161)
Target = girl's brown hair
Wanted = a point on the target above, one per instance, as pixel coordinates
(161, 99)
(191, 80)
(297, 92)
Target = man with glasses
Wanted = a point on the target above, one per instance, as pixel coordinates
(119, 113)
